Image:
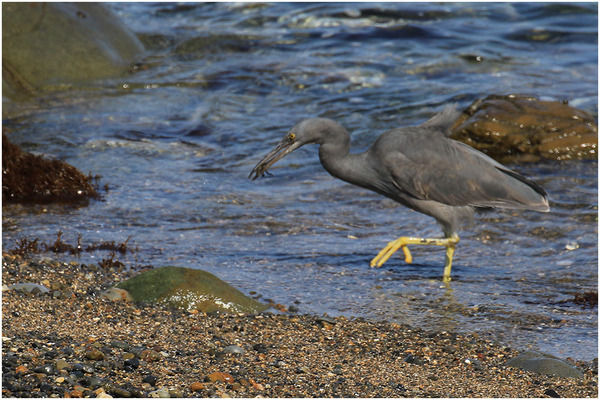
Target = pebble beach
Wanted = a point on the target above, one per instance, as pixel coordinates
(71, 342)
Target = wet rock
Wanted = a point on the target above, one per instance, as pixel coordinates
(544, 364)
(27, 178)
(116, 294)
(47, 369)
(517, 128)
(45, 44)
(150, 379)
(189, 289)
(32, 288)
(21, 369)
(194, 387)
(47, 388)
(132, 363)
(81, 367)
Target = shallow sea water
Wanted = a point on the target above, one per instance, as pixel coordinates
(223, 82)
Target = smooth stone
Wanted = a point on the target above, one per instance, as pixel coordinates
(94, 354)
(150, 355)
(233, 349)
(160, 393)
(47, 388)
(116, 294)
(81, 367)
(32, 288)
(150, 379)
(61, 364)
(220, 377)
(120, 392)
(132, 362)
(120, 345)
(189, 289)
(544, 364)
(47, 369)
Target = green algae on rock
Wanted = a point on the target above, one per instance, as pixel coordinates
(190, 289)
(517, 128)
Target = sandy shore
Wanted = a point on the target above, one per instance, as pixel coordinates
(70, 342)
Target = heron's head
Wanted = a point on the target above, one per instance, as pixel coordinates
(304, 132)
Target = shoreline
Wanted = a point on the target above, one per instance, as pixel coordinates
(70, 342)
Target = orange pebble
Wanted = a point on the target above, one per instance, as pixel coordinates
(21, 369)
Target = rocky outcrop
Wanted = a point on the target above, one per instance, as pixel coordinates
(516, 128)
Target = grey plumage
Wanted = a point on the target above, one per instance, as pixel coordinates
(419, 167)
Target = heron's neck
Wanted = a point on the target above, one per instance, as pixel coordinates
(337, 160)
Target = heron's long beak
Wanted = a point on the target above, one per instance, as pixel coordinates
(285, 147)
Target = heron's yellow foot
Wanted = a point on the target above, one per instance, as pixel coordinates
(393, 246)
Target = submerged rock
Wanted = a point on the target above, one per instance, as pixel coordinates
(514, 128)
(189, 289)
(544, 364)
(49, 44)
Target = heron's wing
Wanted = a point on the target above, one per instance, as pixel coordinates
(453, 173)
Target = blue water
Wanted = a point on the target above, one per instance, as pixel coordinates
(175, 143)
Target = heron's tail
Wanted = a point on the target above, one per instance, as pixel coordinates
(532, 197)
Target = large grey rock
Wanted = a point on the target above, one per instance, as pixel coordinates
(32, 288)
(189, 289)
(544, 364)
(49, 44)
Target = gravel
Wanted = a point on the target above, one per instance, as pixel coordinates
(78, 344)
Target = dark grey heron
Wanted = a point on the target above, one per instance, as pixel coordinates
(421, 168)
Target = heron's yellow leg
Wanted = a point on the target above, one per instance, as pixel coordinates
(449, 243)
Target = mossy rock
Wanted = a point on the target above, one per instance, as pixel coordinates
(189, 289)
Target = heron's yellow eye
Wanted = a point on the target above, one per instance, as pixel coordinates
(292, 136)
